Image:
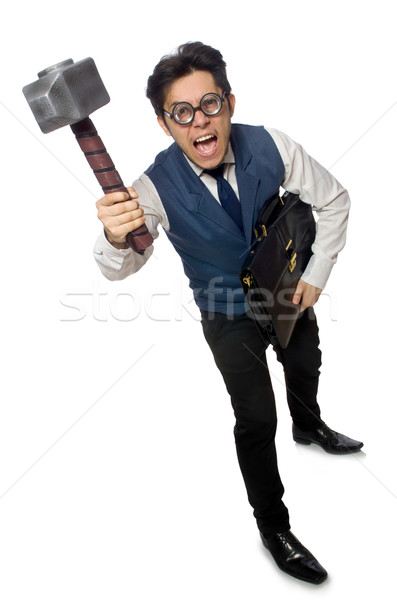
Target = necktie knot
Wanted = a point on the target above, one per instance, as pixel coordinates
(216, 173)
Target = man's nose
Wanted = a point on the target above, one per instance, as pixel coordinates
(200, 118)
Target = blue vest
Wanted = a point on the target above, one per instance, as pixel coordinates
(212, 247)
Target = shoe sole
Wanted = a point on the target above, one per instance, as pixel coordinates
(314, 582)
(305, 442)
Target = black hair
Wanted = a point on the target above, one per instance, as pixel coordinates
(187, 58)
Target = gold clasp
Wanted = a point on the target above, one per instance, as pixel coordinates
(264, 232)
(247, 280)
(292, 263)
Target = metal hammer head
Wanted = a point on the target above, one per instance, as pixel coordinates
(66, 93)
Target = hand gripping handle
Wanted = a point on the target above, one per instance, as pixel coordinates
(107, 176)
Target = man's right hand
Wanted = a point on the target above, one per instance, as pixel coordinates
(119, 216)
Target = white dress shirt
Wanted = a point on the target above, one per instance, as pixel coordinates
(303, 175)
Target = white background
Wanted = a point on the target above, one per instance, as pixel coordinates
(118, 476)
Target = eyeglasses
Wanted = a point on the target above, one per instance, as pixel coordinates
(183, 112)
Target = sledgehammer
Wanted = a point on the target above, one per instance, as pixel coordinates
(65, 94)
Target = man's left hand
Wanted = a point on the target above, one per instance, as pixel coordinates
(306, 295)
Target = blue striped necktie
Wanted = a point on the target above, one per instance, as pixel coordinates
(227, 197)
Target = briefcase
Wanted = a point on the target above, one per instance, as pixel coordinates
(284, 234)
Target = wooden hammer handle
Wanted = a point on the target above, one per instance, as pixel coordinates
(107, 176)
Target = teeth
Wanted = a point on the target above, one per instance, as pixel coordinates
(204, 138)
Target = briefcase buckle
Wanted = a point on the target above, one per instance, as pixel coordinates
(247, 280)
(292, 263)
(264, 231)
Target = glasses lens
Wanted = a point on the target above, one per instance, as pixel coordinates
(211, 104)
(183, 112)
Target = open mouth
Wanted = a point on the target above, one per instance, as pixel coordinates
(206, 145)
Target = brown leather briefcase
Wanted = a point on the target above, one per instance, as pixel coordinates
(284, 232)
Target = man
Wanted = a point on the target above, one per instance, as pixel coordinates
(182, 191)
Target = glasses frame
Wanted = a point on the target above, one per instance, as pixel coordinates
(195, 109)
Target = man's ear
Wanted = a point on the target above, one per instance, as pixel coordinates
(163, 125)
(231, 98)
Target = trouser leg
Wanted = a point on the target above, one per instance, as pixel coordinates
(239, 352)
(301, 361)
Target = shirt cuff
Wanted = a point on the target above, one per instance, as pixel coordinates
(111, 261)
(104, 247)
(318, 271)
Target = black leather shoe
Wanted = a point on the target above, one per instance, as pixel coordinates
(293, 558)
(329, 440)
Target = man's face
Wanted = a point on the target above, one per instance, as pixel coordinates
(206, 138)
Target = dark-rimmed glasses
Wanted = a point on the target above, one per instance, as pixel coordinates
(183, 112)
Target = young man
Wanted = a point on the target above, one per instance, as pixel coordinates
(210, 223)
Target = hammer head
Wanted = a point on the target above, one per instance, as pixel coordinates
(66, 93)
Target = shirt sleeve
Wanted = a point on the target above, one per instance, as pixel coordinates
(316, 186)
(118, 264)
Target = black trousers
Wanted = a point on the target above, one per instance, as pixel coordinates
(239, 350)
